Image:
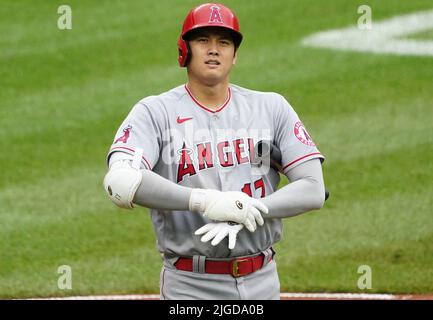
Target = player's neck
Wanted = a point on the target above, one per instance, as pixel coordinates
(212, 97)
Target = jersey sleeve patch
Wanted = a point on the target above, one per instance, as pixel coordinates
(126, 133)
(301, 133)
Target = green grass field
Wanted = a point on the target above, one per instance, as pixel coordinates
(64, 93)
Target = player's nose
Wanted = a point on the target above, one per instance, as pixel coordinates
(213, 52)
(213, 47)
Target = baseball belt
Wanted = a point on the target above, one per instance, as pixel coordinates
(237, 267)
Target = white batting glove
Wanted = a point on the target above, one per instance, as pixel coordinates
(218, 231)
(232, 206)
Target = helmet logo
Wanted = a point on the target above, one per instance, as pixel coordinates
(215, 15)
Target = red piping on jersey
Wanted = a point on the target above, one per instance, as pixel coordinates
(205, 108)
(308, 155)
(132, 150)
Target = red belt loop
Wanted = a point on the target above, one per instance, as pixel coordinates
(237, 267)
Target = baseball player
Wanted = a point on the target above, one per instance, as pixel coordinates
(188, 154)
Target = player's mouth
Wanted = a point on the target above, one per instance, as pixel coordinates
(212, 62)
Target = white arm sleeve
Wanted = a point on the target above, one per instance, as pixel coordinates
(155, 191)
(305, 192)
(159, 193)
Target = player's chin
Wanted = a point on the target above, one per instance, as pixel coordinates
(213, 79)
(219, 71)
(214, 70)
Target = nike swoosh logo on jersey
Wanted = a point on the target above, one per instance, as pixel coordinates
(182, 120)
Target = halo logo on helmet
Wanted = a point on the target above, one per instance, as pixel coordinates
(207, 15)
(215, 15)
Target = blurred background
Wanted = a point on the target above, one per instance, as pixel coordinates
(63, 94)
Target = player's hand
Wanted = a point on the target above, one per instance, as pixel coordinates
(228, 206)
(218, 231)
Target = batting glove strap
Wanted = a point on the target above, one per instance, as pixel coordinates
(197, 201)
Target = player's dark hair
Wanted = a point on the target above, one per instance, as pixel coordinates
(235, 37)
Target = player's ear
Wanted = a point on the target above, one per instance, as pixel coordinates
(235, 57)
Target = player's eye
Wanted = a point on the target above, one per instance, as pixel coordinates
(225, 42)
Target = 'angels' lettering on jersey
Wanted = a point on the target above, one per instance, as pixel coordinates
(228, 153)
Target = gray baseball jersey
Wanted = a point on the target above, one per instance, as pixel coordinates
(189, 144)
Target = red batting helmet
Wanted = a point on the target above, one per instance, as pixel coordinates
(207, 15)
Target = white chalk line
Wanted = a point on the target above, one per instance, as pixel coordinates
(287, 295)
(383, 38)
(338, 296)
